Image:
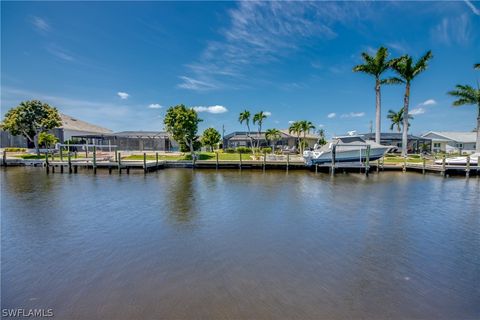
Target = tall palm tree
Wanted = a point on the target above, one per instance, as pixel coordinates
(273, 135)
(407, 69)
(397, 119)
(376, 66)
(296, 128)
(306, 126)
(258, 119)
(467, 95)
(245, 117)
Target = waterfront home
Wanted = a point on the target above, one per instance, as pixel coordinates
(132, 140)
(452, 141)
(242, 139)
(415, 144)
(70, 127)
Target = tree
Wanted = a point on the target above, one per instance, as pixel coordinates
(273, 135)
(30, 118)
(321, 140)
(408, 70)
(467, 95)
(182, 123)
(258, 119)
(305, 126)
(210, 138)
(296, 128)
(47, 139)
(245, 117)
(476, 66)
(376, 66)
(397, 119)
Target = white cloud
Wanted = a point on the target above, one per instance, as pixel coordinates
(40, 24)
(453, 30)
(291, 121)
(155, 106)
(196, 85)
(429, 102)
(267, 113)
(123, 95)
(472, 6)
(417, 111)
(211, 109)
(320, 125)
(331, 115)
(353, 115)
(60, 53)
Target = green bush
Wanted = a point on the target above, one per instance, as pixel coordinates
(15, 149)
(229, 150)
(244, 150)
(266, 150)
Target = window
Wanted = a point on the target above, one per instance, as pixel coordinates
(436, 145)
(459, 145)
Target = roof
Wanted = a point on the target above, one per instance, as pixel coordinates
(140, 134)
(391, 136)
(458, 136)
(71, 123)
(242, 135)
(308, 135)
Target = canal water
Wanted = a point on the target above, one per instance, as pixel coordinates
(184, 244)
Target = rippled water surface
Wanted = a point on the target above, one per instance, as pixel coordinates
(183, 244)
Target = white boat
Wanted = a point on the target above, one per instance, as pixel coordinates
(351, 148)
(460, 160)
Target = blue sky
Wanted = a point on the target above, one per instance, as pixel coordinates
(122, 64)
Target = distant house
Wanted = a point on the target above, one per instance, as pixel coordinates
(69, 128)
(132, 140)
(451, 141)
(242, 139)
(415, 144)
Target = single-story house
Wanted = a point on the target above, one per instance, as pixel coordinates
(452, 141)
(242, 139)
(415, 144)
(70, 127)
(132, 140)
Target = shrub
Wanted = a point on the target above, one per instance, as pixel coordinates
(266, 150)
(15, 149)
(229, 150)
(244, 150)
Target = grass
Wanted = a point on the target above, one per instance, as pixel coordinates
(42, 157)
(187, 157)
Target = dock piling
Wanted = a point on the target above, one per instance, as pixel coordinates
(47, 165)
(119, 163)
(94, 159)
(264, 159)
(69, 162)
(216, 160)
(240, 160)
(443, 172)
(288, 160)
(467, 170)
(61, 154)
(367, 161)
(144, 162)
(334, 150)
(156, 160)
(4, 158)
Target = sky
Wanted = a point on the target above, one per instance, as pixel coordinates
(120, 65)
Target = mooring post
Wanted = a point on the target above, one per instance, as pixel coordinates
(86, 150)
(194, 158)
(216, 160)
(404, 169)
(144, 162)
(264, 159)
(119, 159)
(156, 160)
(61, 167)
(332, 170)
(69, 162)
(288, 160)
(4, 158)
(53, 168)
(424, 165)
(46, 163)
(367, 161)
(443, 165)
(240, 160)
(109, 169)
(468, 167)
(94, 159)
(61, 153)
(116, 155)
(316, 167)
(75, 169)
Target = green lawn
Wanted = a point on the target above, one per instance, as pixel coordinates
(42, 157)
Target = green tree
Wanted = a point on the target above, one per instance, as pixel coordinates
(296, 128)
(258, 119)
(210, 138)
(182, 123)
(305, 126)
(375, 66)
(467, 95)
(321, 140)
(47, 139)
(30, 118)
(397, 119)
(408, 70)
(245, 117)
(273, 135)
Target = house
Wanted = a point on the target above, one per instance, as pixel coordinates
(415, 144)
(242, 139)
(70, 127)
(452, 141)
(131, 140)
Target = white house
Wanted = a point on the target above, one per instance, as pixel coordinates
(450, 141)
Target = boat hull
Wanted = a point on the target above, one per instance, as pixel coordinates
(313, 158)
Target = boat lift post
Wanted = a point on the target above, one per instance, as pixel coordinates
(333, 154)
(367, 161)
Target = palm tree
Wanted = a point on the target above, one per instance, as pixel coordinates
(467, 95)
(273, 135)
(407, 69)
(245, 117)
(376, 66)
(296, 129)
(258, 119)
(397, 119)
(306, 126)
